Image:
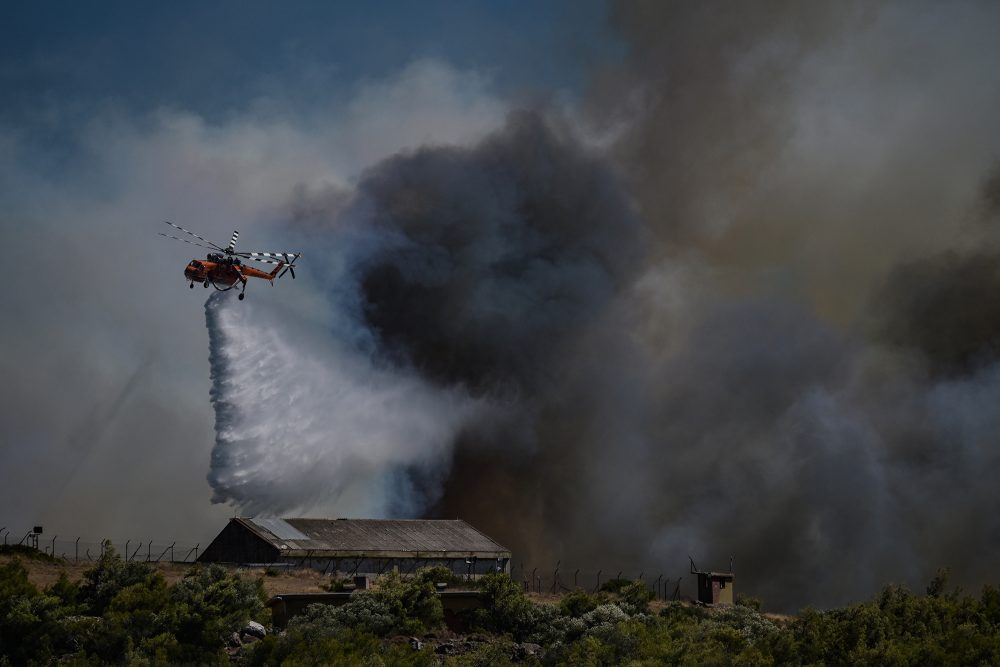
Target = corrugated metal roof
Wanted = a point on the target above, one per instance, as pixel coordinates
(374, 536)
(280, 528)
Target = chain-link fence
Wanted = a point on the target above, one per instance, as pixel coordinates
(562, 579)
(79, 550)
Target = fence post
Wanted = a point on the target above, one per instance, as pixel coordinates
(163, 553)
(598, 586)
(658, 587)
(149, 550)
(76, 551)
(531, 586)
(54, 545)
(574, 576)
(555, 576)
(126, 549)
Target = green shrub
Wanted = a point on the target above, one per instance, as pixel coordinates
(746, 601)
(635, 598)
(439, 574)
(615, 585)
(506, 609)
(27, 553)
(109, 576)
(577, 603)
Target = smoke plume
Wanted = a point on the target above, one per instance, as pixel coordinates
(738, 305)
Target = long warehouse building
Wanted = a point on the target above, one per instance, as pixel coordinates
(358, 546)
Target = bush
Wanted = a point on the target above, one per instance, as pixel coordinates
(439, 574)
(615, 585)
(414, 602)
(506, 609)
(110, 576)
(635, 598)
(26, 552)
(123, 613)
(745, 601)
(577, 603)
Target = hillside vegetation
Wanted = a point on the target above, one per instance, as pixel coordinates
(128, 613)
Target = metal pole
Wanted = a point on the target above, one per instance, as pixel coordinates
(163, 553)
(658, 586)
(149, 551)
(555, 576)
(76, 551)
(598, 586)
(574, 576)
(531, 586)
(126, 549)
(54, 545)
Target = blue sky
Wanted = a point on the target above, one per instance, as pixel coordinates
(214, 58)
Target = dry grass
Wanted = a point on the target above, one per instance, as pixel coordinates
(304, 580)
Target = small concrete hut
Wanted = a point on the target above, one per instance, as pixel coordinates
(714, 587)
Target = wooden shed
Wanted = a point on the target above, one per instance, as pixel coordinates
(358, 546)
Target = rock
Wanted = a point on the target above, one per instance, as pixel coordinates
(524, 651)
(255, 629)
(447, 648)
(416, 644)
(234, 641)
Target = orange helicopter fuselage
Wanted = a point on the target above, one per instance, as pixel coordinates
(224, 274)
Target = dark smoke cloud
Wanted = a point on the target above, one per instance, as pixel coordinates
(754, 322)
(941, 308)
(499, 254)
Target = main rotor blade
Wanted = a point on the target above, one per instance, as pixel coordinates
(285, 257)
(232, 243)
(200, 245)
(192, 234)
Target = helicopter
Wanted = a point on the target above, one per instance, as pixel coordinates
(223, 267)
